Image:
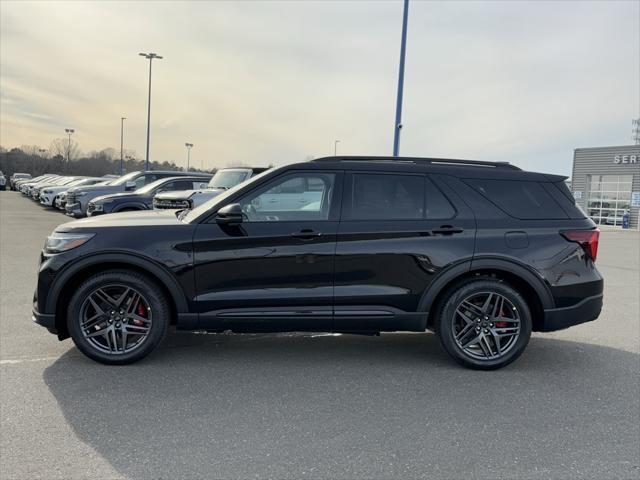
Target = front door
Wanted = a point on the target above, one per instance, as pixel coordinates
(274, 271)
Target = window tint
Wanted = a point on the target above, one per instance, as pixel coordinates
(520, 199)
(186, 185)
(140, 182)
(438, 207)
(387, 197)
(296, 197)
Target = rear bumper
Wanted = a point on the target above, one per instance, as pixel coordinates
(560, 318)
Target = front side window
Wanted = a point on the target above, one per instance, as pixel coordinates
(295, 197)
(387, 197)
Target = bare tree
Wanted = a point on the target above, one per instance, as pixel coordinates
(66, 148)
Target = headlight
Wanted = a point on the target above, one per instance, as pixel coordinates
(61, 242)
(96, 207)
(47, 192)
(80, 194)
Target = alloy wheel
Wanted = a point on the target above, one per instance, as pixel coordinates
(115, 319)
(486, 325)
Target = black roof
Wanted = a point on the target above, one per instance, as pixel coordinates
(419, 160)
(175, 172)
(457, 167)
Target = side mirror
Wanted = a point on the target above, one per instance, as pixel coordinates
(130, 185)
(229, 214)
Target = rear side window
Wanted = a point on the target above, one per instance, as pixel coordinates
(520, 199)
(387, 197)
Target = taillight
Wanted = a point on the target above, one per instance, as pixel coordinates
(588, 240)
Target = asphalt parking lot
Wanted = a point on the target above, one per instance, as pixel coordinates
(316, 406)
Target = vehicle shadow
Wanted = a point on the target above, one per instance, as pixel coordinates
(395, 406)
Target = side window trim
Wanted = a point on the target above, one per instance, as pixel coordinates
(432, 182)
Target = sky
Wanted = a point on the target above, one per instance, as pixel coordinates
(275, 82)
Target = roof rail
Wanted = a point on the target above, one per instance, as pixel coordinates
(417, 160)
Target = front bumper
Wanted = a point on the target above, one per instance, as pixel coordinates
(74, 209)
(47, 320)
(171, 204)
(584, 311)
(46, 200)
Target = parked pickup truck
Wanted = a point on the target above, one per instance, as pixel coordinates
(223, 180)
(78, 198)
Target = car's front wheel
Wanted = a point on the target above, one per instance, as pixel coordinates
(118, 317)
(484, 324)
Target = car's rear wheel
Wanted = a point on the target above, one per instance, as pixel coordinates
(118, 317)
(484, 324)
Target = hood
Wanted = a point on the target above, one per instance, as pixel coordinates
(97, 188)
(125, 219)
(56, 188)
(118, 196)
(186, 194)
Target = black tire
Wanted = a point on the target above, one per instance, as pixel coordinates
(155, 303)
(448, 315)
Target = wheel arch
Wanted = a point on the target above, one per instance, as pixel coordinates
(529, 283)
(70, 279)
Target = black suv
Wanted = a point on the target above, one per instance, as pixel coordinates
(481, 253)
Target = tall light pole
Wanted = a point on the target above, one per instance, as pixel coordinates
(335, 147)
(403, 47)
(188, 145)
(70, 132)
(150, 57)
(122, 119)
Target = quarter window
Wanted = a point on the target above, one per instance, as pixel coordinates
(524, 200)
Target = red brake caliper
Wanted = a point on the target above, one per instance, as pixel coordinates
(142, 312)
(502, 324)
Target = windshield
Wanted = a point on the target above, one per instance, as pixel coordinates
(192, 215)
(151, 186)
(225, 179)
(124, 179)
(67, 181)
(77, 181)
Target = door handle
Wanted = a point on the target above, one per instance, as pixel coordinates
(446, 230)
(306, 234)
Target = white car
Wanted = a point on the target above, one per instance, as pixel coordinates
(49, 195)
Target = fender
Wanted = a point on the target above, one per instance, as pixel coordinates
(154, 268)
(137, 205)
(532, 277)
(438, 284)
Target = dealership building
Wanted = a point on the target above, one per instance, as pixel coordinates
(606, 183)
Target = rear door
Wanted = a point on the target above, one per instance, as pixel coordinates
(397, 232)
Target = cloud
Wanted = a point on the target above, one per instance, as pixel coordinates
(262, 82)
